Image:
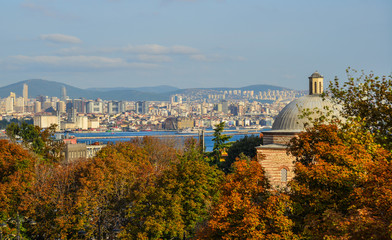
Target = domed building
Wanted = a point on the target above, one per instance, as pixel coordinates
(272, 155)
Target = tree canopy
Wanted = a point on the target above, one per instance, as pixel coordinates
(368, 98)
(246, 145)
(246, 209)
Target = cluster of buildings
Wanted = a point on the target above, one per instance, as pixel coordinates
(193, 109)
(198, 109)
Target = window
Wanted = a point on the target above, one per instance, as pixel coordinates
(283, 175)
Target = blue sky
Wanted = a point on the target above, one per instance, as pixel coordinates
(192, 43)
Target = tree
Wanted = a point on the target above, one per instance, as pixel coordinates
(53, 201)
(246, 208)
(220, 142)
(110, 183)
(38, 140)
(16, 179)
(369, 98)
(246, 145)
(177, 201)
(333, 168)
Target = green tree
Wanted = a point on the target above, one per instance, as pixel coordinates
(220, 142)
(246, 145)
(38, 140)
(177, 201)
(368, 98)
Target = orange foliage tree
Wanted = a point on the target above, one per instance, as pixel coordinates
(53, 201)
(247, 209)
(109, 185)
(16, 180)
(336, 177)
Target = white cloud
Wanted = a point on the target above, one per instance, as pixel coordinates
(39, 9)
(199, 57)
(183, 50)
(95, 62)
(214, 57)
(154, 58)
(149, 49)
(158, 49)
(60, 38)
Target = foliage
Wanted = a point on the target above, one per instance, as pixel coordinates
(246, 209)
(38, 140)
(177, 201)
(16, 179)
(52, 201)
(246, 145)
(331, 172)
(369, 98)
(4, 123)
(220, 142)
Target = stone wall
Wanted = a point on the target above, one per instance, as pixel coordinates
(281, 138)
(273, 159)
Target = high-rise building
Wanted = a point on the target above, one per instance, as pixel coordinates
(94, 107)
(79, 105)
(60, 106)
(225, 107)
(25, 93)
(37, 106)
(115, 107)
(63, 93)
(19, 105)
(142, 107)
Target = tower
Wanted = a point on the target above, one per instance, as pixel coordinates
(25, 93)
(316, 83)
(63, 93)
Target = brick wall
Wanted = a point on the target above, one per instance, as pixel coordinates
(273, 160)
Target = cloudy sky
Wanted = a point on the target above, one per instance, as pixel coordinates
(192, 43)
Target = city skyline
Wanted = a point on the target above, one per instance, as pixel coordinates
(185, 44)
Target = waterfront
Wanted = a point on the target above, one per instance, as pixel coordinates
(112, 137)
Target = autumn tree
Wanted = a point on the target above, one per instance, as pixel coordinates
(177, 201)
(332, 171)
(246, 208)
(17, 173)
(53, 201)
(110, 183)
(160, 152)
(368, 98)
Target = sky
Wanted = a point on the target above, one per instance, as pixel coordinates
(192, 43)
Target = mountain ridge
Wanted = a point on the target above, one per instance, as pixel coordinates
(157, 93)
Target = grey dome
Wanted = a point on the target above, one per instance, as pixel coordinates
(287, 119)
(316, 75)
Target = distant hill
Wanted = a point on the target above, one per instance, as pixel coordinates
(159, 93)
(255, 88)
(51, 88)
(156, 89)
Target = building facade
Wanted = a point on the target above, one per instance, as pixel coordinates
(272, 155)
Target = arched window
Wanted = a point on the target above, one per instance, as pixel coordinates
(283, 175)
(320, 91)
(315, 88)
